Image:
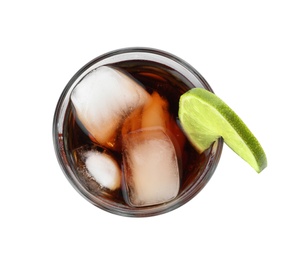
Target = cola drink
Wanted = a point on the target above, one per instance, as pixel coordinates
(164, 78)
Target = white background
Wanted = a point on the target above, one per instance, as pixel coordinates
(236, 45)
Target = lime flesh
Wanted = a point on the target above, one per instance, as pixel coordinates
(205, 117)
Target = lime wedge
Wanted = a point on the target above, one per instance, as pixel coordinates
(205, 118)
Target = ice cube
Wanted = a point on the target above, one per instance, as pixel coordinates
(104, 169)
(155, 113)
(97, 169)
(104, 98)
(151, 173)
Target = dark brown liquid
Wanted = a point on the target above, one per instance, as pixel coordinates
(170, 85)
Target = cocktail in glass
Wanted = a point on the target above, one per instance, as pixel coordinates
(118, 138)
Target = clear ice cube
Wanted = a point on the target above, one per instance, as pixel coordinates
(104, 98)
(155, 113)
(151, 173)
(104, 169)
(97, 168)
